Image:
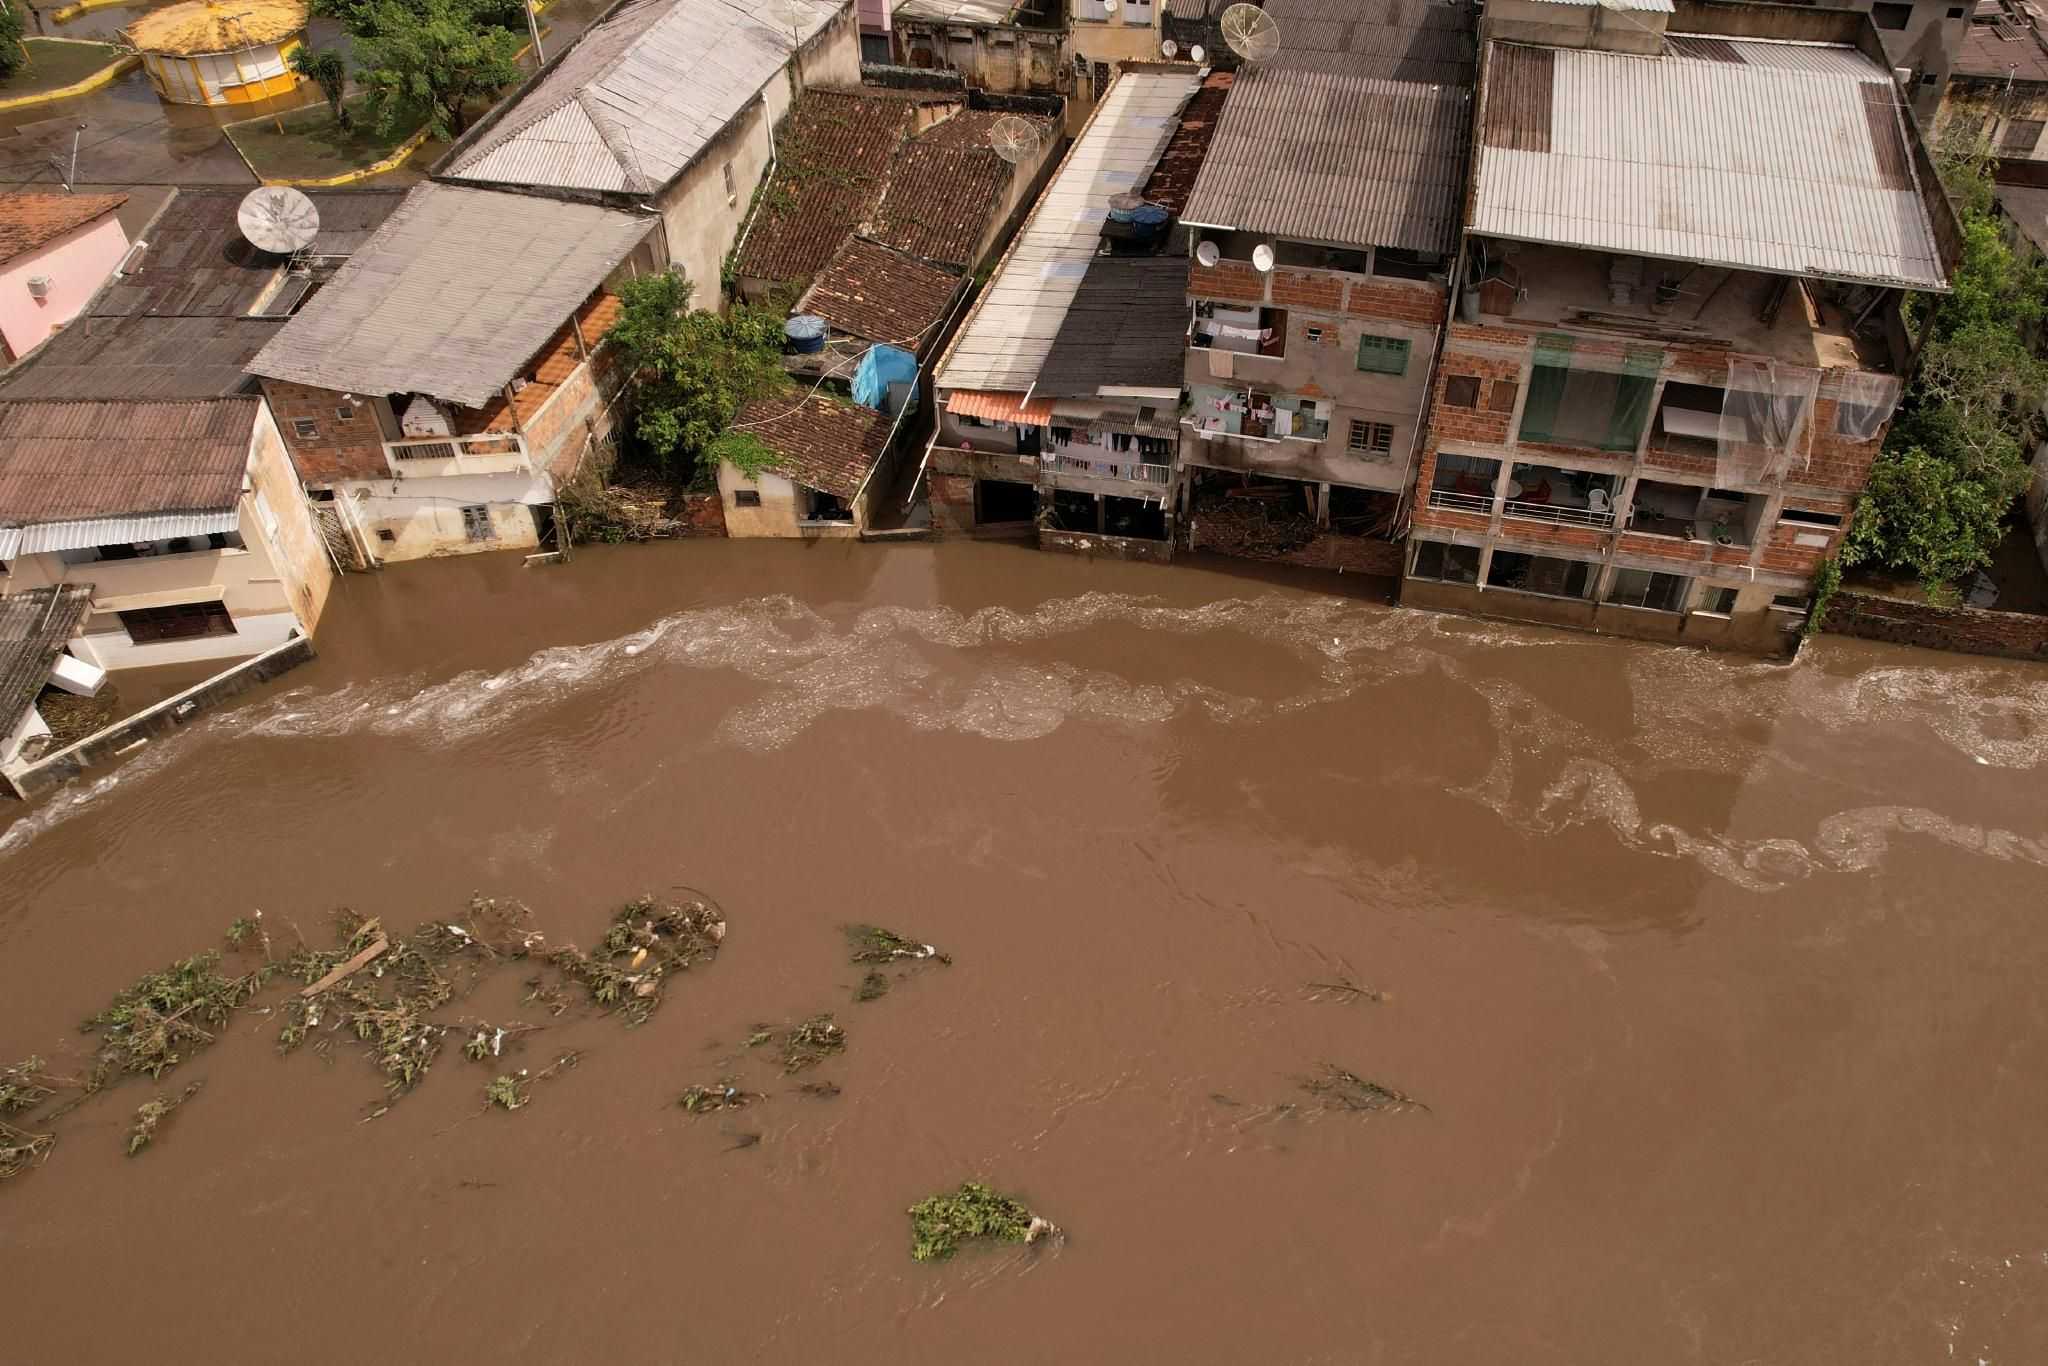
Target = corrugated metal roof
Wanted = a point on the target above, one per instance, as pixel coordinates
(69, 462)
(456, 291)
(52, 536)
(142, 357)
(35, 626)
(1007, 336)
(633, 101)
(1640, 6)
(1127, 328)
(1401, 40)
(983, 12)
(1780, 157)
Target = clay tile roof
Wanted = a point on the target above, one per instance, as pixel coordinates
(35, 626)
(71, 461)
(822, 443)
(944, 187)
(879, 295)
(830, 171)
(1173, 179)
(29, 221)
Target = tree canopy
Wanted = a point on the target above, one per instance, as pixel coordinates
(12, 54)
(691, 371)
(424, 62)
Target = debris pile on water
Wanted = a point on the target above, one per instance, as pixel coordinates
(20, 1149)
(805, 1045)
(647, 940)
(168, 1015)
(151, 1114)
(24, 1086)
(1339, 1089)
(940, 1224)
(872, 944)
(721, 1095)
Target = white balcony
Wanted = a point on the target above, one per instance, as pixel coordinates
(432, 456)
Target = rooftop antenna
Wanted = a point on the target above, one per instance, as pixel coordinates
(790, 14)
(70, 176)
(279, 219)
(1013, 139)
(1250, 32)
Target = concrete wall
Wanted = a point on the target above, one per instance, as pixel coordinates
(1971, 630)
(1584, 26)
(412, 519)
(1114, 547)
(76, 265)
(781, 512)
(1752, 628)
(299, 552)
(1000, 59)
(2037, 503)
(1975, 106)
(165, 716)
(1132, 36)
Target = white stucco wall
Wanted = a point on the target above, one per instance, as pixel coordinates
(76, 265)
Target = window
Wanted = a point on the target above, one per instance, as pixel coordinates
(476, 522)
(1405, 265)
(1501, 399)
(1462, 391)
(732, 193)
(746, 498)
(1804, 517)
(345, 413)
(1956, 12)
(1314, 334)
(1383, 355)
(1891, 16)
(1370, 439)
(186, 621)
(1544, 574)
(1789, 602)
(1446, 563)
(305, 429)
(1717, 602)
(387, 535)
(2019, 137)
(1929, 78)
(1646, 589)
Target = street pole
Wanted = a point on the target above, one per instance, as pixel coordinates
(533, 27)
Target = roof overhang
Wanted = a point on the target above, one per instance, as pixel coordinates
(47, 537)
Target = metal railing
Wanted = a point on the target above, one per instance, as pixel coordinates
(482, 453)
(1446, 500)
(1553, 512)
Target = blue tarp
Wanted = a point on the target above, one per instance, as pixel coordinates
(881, 367)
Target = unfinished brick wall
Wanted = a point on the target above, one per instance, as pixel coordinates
(1972, 630)
(952, 501)
(1423, 305)
(573, 417)
(1488, 420)
(1307, 289)
(1232, 280)
(340, 448)
(1837, 462)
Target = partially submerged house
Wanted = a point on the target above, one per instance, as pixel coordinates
(183, 516)
(668, 105)
(824, 481)
(35, 627)
(994, 463)
(56, 250)
(439, 388)
(1323, 224)
(1677, 349)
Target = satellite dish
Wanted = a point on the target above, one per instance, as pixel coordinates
(1169, 49)
(278, 219)
(1198, 54)
(1250, 32)
(1013, 139)
(1109, 8)
(1207, 254)
(1262, 256)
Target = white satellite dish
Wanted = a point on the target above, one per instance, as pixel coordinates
(1013, 139)
(1262, 256)
(1109, 8)
(1169, 49)
(1207, 254)
(1198, 54)
(1250, 32)
(278, 219)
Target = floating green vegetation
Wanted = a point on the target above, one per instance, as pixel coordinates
(872, 987)
(647, 941)
(151, 1114)
(939, 1224)
(166, 1016)
(512, 1090)
(24, 1086)
(1338, 1089)
(487, 1041)
(810, 1043)
(244, 929)
(873, 944)
(722, 1095)
(20, 1149)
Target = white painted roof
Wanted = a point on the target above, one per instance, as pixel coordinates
(49, 536)
(634, 100)
(1793, 158)
(1008, 335)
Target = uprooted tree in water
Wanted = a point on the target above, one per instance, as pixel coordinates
(941, 1224)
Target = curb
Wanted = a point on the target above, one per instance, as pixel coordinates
(398, 157)
(106, 75)
(72, 11)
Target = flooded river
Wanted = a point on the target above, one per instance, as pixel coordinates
(1721, 982)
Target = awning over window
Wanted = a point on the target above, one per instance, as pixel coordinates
(992, 405)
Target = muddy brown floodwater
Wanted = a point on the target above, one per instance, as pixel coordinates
(1721, 981)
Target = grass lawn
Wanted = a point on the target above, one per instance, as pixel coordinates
(52, 63)
(311, 144)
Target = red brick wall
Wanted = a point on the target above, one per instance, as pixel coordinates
(1482, 423)
(1837, 463)
(1972, 630)
(1307, 289)
(1423, 305)
(1231, 280)
(352, 449)
(1554, 536)
(952, 501)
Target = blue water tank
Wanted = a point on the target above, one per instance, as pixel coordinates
(805, 334)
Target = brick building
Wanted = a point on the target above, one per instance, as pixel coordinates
(1323, 225)
(452, 373)
(1677, 347)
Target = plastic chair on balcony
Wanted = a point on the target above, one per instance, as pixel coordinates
(1596, 501)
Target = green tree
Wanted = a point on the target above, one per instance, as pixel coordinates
(326, 69)
(425, 61)
(692, 370)
(13, 56)
(1956, 459)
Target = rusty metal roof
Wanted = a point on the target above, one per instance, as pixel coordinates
(1354, 135)
(29, 221)
(1785, 157)
(66, 462)
(35, 626)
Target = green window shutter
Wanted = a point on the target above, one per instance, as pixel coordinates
(1383, 355)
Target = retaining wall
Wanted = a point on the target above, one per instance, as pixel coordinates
(1969, 630)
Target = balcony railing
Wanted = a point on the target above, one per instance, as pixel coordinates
(1446, 500)
(1553, 512)
(482, 453)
